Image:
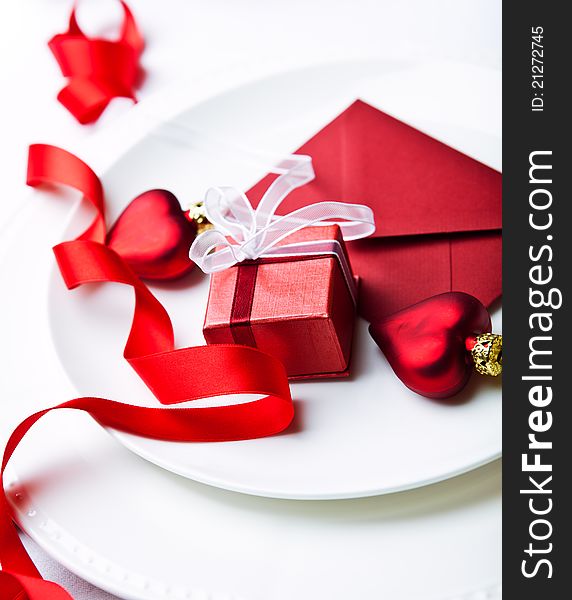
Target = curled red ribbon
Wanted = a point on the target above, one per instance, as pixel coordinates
(98, 70)
(174, 376)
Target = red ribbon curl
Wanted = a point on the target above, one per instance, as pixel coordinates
(174, 376)
(98, 70)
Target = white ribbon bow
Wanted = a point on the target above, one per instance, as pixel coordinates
(255, 233)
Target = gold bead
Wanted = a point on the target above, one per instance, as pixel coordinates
(197, 214)
(487, 354)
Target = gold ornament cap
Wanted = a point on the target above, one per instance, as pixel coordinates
(196, 213)
(487, 354)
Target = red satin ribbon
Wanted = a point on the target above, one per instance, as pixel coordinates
(173, 375)
(98, 70)
(241, 310)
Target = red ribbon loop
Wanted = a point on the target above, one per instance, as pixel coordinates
(98, 70)
(174, 376)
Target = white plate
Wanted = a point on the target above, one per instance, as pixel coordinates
(143, 533)
(362, 436)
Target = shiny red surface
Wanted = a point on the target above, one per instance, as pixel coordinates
(153, 236)
(425, 344)
(97, 70)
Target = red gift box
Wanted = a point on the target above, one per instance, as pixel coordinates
(300, 308)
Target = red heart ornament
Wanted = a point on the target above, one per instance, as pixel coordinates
(153, 236)
(426, 343)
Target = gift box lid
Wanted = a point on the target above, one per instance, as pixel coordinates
(297, 287)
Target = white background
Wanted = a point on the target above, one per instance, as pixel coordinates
(187, 39)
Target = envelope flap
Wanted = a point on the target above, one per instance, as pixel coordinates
(414, 183)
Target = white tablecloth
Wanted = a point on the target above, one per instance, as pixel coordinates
(191, 38)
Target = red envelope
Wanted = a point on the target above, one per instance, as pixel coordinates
(438, 211)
